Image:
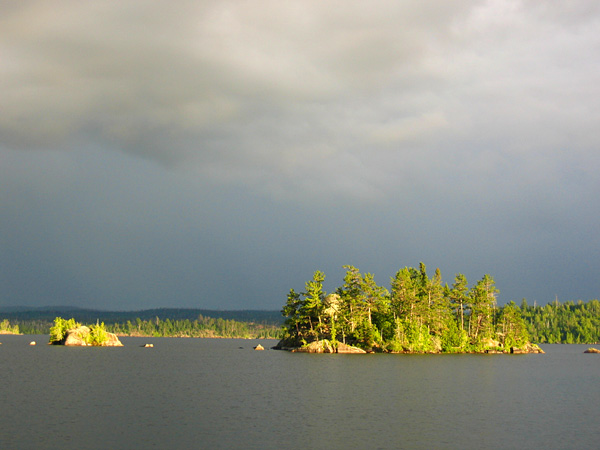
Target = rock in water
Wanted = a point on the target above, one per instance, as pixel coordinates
(592, 350)
(113, 341)
(77, 337)
(326, 347)
(259, 347)
(343, 348)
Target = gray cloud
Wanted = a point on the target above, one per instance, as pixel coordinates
(232, 136)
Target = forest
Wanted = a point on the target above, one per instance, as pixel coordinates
(204, 327)
(419, 314)
(563, 323)
(201, 326)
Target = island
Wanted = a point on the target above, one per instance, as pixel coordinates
(7, 328)
(71, 333)
(419, 314)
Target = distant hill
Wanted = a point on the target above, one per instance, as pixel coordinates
(49, 313)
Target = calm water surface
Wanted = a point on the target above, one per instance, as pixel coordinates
(221, 394)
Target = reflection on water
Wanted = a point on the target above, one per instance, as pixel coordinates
(220, 393)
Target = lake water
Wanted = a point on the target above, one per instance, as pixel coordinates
(221, 394)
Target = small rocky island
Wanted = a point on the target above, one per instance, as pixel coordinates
(71, 333)
(7, 328)
(322, 346)
(418, 314)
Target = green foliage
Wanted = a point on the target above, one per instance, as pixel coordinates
(419, 339)
(307, 314)
(58, 332)
(7, 328)
(512, 329)
(482, 298)
(567, 323)
(97, 334)
(419, 314)
(207, 327)
(454, 338)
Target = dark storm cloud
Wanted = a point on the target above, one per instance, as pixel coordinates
(216, 153)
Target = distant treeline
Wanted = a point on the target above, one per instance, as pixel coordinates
(48, 314)
(566, 323)
(203, 327)
(563, 323)
(166, 322)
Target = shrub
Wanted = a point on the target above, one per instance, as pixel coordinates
(7, 328)
(58, 332)
(97, 335)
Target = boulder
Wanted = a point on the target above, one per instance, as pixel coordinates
(343, 348)
(259, 347)
(327, 347)
(491, 343)
(533, 348)
(313, 347)
(529, 348)
(323, 346)
(113, 341)
(592, 350)
(77, 337)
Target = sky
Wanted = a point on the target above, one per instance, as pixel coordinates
(214, 154)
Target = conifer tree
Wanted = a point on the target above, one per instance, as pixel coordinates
(483, 303)
(512, 327)
(458, 296)
(312, 306)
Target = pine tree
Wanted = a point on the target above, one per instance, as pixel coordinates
(483, 303)
(312, 307)
(459, 297)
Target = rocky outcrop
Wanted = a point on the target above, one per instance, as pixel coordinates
(113, 341)
(343, 348)
(490, 344)
(323, 346)
(77, 337)
(315, 347)
(592, 350)
(529, 348)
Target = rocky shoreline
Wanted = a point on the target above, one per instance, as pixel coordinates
(325, 346)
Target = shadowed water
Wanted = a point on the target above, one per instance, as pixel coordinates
(221, 394)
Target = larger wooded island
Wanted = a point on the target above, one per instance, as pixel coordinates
(418, 314)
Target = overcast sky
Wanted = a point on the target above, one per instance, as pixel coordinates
(214, 154)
